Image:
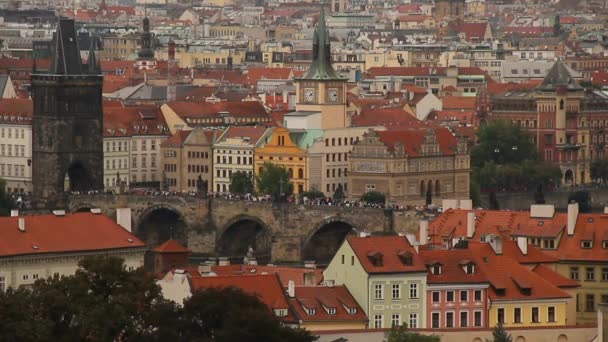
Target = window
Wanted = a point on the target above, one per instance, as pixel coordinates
(574, 273)
(3, 287)
(535, 318)
(413, 320)
(449, 319)
(590, 274)
(464, 319)
(604, 274)
(352, 260)
(378, 321)
(500, 315)
(551, 314)
(436, 269)
(469, 268)
(477, 318)
(478, 295)
(464, 295)
(449, 296)
(436, 296)
(590, 302)
(517, 315)
(378, 291)
(396, 291)
(435, 320)
(396, 320)
(413, 290)
(586, 244)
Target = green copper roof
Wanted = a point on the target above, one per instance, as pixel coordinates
(321, 68)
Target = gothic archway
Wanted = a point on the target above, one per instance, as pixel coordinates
(321, 245)
(78, 178)
(159, 224)
(240, 234)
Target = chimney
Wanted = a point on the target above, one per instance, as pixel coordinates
(605, 210)
(204, 269)
(522, 243)
(466, 204)
(470, 224)
(14, 213)
(424, 232)
(363, 234)
(59, 212)
(22, 224)
(224, 261)
(496, 243)
(310, 264)
(291, 289)
(123, 218)
(572, 216)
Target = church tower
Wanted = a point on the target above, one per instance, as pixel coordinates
(67, 123)
(145, 55)
(321, 88)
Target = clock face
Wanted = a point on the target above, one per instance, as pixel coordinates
(309, 95)
(332, 95)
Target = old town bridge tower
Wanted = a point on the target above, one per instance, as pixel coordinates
(67, 127)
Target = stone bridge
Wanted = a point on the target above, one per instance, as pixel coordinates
(277, 232)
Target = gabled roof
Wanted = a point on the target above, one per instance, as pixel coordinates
(266, 286)
(554, 277)
(473, 30)
(384, 116)
(171, 246)
(559, 76)
(593, 227)
(322, 298)
(133, 120)
(17, 111)
(452, 262)
(412, 139)
(389, 247)
(202, 109)
(177, 140)
(459, 102)
(79, 232)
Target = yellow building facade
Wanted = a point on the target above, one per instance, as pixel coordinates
(528, 313)
(281, 150)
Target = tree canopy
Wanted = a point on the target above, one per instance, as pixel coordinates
(241, 183)
(499, 334)
(104, 301)
(274, 180)
(375, 197)
(505, 158)
(401, 334)
(599, 171)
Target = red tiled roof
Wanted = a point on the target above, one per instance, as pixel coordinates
(383, 116)
(266, 286)
(198, 94)
(592, 227)
(235, 108)
(568, 20)
(24, 64)
(599, 78)
(473, 30)
(408, 8)
(113, 83)
(450, 115)
(506, 274)
(17, 111)
(255, 74)
(495, 88)
(136, 120)
(459, 102)
(389, 247)
(554, 277)
(171, 246)
(452, 262)
(70, 233)
(412, 139)
(285, 273)
(321, 297)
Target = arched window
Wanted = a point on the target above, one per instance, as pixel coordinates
(561, 104)
(290, 173)
(300, 173)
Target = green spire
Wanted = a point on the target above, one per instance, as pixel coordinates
(321, 68)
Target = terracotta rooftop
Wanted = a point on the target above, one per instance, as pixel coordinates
(387, 249)
(313, 303)
(452, 264)
(412, 139)
(79, 232)
(171, 246)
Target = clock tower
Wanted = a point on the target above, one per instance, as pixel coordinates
(321, 90)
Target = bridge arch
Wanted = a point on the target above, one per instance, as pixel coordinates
(324, 240)
(241, 232)
(82, 208)
(159, 223)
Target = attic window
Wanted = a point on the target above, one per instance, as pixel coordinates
(405, 257)
(500, 292)
(605, 244)
(311, 312)
(331, 311)
(469, 268)
(352, 311)
(587, 244)
(280, 312)
(436, 269)
(375, 258)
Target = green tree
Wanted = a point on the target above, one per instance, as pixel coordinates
(339, 193)
(504, 143)
(374, 197)
(599, 170)
(229, 314)
(583, 199)
(499, 334)
(274, 180)
(6, 202)
(313, 194)
(401, 334)
(240, 183)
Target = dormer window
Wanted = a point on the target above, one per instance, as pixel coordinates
(406, 257)
(605, 244)
(351, 311)
(436, 269)
(469, 268)
(375, 258)
(280, 312)
(586, 244)
(331, 311)
(311, 312)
